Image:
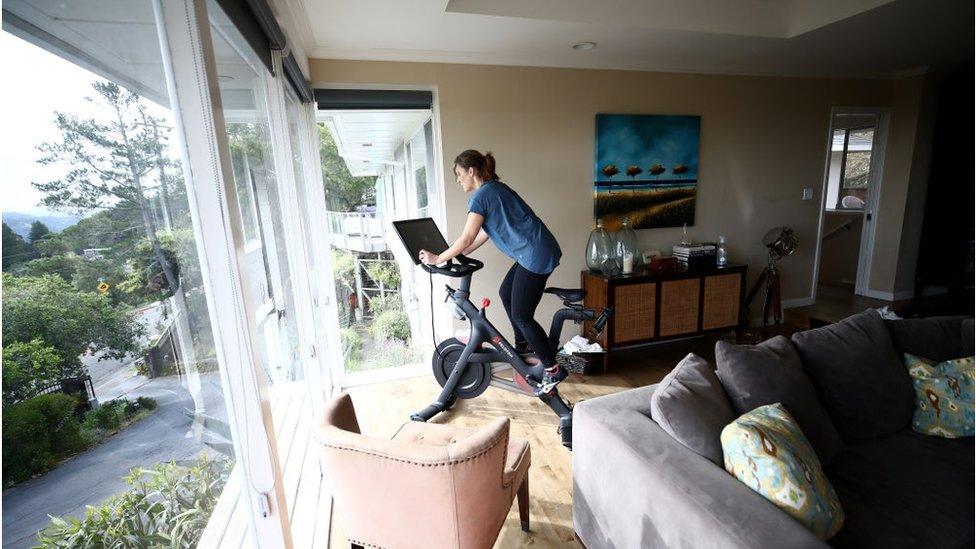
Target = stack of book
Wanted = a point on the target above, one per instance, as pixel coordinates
(693, 256)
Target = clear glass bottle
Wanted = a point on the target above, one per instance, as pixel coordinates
(721, 256)
(597, 248)
(625, 252)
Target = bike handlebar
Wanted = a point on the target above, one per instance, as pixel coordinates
(464, 267)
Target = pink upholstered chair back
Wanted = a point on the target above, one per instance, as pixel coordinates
(423, 493)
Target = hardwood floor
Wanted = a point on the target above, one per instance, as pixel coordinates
(835, 303)
(383, 407)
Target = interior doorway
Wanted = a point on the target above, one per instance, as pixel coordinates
(851, 189)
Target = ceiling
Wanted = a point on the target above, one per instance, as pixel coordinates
(117, 40)
(837, 38)
(367, 140)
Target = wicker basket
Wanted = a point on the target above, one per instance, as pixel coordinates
(583, 363)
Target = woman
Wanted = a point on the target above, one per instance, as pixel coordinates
(495, 211)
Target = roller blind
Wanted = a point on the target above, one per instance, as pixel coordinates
(373, 99)
(255, 20)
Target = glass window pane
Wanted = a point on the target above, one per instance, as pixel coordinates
(243, 94)
(107, 306)
(247, 93)
(857, 168)
(418, 158)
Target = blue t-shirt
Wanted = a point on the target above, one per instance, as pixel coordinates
(514, 228)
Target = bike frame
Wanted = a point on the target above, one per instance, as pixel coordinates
(482, 331)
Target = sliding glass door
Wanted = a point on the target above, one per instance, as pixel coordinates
(270, 285)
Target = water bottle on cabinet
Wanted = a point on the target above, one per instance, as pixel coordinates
(721, 256)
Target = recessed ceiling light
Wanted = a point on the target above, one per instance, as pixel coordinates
(367, 144)
(584, 46)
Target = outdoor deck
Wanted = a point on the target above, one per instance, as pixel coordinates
(360, 232)
(308, 504)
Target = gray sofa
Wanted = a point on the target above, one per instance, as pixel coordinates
(636, 486)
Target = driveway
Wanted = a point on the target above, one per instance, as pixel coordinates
(95, 475)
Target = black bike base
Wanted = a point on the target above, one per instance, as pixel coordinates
(552, 399)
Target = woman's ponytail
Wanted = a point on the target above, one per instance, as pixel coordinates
(489, 170)
(483, 164)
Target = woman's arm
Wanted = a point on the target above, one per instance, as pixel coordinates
(478, 241)
(472, 228)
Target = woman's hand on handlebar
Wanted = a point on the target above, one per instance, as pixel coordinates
(429, 258)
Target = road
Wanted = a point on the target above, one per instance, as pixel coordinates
(96, 474)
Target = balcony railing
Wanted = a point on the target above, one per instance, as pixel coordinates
(308, 502)
(358, 231)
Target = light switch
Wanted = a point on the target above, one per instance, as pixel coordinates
(807, 193)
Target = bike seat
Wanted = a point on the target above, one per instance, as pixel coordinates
(568, 294)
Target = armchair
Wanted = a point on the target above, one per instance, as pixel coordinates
(431, 485)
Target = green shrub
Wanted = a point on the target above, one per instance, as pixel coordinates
(27, 368)
(38, 433)
(114, 414)
(106, 417)
(385, 273)
(352, 342)
(380, 305)
(168, 506)
(344, 268)
(392, 324)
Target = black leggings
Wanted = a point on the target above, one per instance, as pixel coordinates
(521, 292)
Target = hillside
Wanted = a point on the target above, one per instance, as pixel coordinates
(20, 222)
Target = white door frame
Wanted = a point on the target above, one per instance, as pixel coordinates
(869, 218)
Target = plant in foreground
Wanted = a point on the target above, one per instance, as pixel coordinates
(168, 505)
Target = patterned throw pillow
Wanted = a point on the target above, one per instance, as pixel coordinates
(943, 396)
(766, 450)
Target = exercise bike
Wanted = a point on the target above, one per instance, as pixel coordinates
(466, 366)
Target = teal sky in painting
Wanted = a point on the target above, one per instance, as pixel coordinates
(644, 140)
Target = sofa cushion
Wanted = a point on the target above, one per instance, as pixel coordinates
(859, 377)
(756, 375)
(766, 450)
(906, 490)
(690, 405)
(944, 402)
(936, 338)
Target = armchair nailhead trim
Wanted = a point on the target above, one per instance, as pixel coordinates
(368, 544)
(491, 445)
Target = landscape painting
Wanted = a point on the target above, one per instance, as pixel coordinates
(646, 170)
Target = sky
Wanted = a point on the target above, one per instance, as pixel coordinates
(644, 140)
(27, 112)
(27, 117)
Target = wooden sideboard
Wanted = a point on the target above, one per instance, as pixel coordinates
(655, 306)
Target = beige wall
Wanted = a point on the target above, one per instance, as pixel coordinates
(762, 140)
(905, 174)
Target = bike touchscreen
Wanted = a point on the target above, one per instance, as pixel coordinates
(420, 234)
